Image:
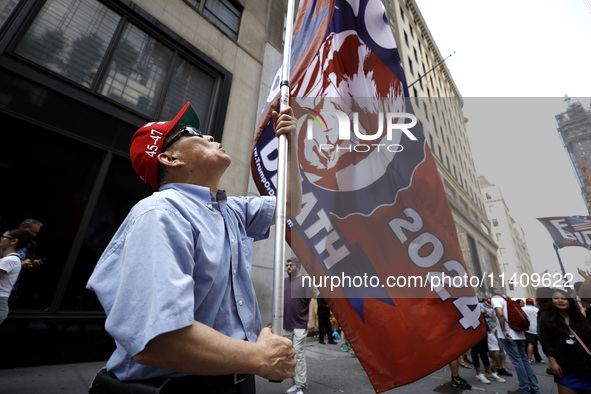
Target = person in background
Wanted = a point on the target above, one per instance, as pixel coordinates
(345, 344)
(10, 264)
(565, 335)
(32, 226)
(480, 350)
(324, 326)
(456, 380)
(497, 354)
(298, 319)
(514, 344)
(531, 334)
(584, 290)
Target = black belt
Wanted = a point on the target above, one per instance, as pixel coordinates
(106, 382)
(208, 380)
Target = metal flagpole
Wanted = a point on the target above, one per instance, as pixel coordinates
(280, 214)
(434, 67)
(560, 261)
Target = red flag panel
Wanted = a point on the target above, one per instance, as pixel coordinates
(376, 234)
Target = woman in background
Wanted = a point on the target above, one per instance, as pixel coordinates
(10, 264)
(565, 335)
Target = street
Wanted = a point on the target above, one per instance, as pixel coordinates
(330, 370)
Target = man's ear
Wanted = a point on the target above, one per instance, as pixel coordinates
(169, 159)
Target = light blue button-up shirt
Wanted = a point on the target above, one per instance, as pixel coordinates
(181, 255)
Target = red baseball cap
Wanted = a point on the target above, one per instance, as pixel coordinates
(529, 301)
(146, 143)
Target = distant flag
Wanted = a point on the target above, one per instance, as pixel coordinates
(587, 184)
(375, 217)
(580, 223)
(569, 230)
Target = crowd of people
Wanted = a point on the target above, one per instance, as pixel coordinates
(559, 320)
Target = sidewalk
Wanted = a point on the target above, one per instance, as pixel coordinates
(330, 370)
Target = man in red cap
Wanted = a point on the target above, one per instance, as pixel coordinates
(175, 279)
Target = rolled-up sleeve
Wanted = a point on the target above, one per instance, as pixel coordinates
(259, 213)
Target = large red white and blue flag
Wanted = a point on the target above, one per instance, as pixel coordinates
(376, 233)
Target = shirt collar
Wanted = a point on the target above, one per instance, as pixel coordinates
(198, 194)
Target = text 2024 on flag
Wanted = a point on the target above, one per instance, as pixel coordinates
(373, 205)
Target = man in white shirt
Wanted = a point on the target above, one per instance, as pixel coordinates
(531, 335)
(515, 346)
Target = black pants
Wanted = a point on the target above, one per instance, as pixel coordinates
(107, 383)
(533, 339)
(481, 349)
(324, 326)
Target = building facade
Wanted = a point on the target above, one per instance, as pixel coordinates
(574, 128)
(77, 78)
(513, 255)
(438, 105)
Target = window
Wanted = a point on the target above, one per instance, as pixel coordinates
(495, 223)
(6, 8)
(451, 195)
(225, 14)
(72, 38)
(410, 68)
(401, 14)
(137, 72)
(406, 39)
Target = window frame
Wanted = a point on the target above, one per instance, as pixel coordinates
(20, 22)
(214, 20)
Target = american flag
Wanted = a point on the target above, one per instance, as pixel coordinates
(580, 223)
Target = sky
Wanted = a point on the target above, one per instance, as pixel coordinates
(513, 63)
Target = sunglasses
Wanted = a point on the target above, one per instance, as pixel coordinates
(186, 130)
(5, 236)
